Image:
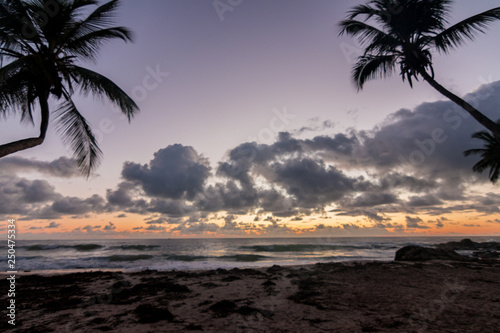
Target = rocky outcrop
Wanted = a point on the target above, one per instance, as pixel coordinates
(467, 244)
(420, 253)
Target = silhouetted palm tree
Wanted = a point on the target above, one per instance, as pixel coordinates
(404, 33)
(490, 154)
(40, 44)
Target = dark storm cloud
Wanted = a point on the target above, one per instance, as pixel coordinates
(372, 199)
(411, 163)
(311, 182)
(169, 207)
(175, 172)
(33, 191)
(429, 141)
(418, 152)
(227, 196)
(63, 206)
(247, 155)
(62, 167)
(22, 196)
(423, 201)
(77, 206)
(123, 196)
(397, 180)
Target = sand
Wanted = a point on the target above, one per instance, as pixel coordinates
(436, 296)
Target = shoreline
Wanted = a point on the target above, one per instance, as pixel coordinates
(353, 296)
(52, 272)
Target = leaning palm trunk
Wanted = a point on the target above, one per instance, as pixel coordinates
(42, 64)
(404, 33)
(481, 118)
(12, 147)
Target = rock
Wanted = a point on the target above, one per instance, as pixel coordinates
(464, 244)
(274, 269)
(467, 244)
(269, 284)
(230, 278)
(223, 308)
(486, 254)
(147, 313)
(419, 253)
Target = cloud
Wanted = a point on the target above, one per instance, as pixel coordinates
(77, 206)
(412, 163)
(109, 227)
(423, 201)
(175, 172)
(371, 199)
(53, 225)
(61, 167)
(197, 228)
(160, 220)
(90, 228)
(20, 196)
(414, 223)
(155, 228)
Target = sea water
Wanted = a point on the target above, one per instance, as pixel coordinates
(191, 254)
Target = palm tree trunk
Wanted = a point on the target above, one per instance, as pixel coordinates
(23, 144)
(481, 118)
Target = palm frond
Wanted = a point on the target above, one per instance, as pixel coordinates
(76, 133)
(97, 84)
(17, 93)
(475, 151)
(87, 46)
(467, 29)
(15, 27)
(370, 67)
(358, 10)
(490, 155)
(101, 18)
(485, 136)
(365, 33)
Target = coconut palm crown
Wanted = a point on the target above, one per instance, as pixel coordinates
(42, 43)
(402, 35)
(490, 155)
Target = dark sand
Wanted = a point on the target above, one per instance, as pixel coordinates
(350, 297)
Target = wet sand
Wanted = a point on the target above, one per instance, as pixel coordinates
(436, 296)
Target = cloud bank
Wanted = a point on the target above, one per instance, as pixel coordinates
(411, 164)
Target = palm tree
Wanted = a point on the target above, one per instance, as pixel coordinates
(490, 155)
(404, 33)
(40, 44)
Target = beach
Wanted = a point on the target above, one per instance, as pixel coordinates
(431, 296)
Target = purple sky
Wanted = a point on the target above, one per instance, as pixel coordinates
(221, 82)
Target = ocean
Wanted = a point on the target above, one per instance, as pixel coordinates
(194, 254)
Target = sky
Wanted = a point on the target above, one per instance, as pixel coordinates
(250, 127)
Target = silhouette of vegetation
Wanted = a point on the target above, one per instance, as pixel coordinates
(41, 43)
(405, 33)
(490, 155)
